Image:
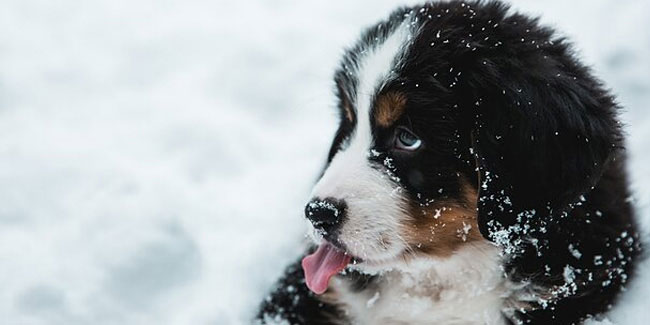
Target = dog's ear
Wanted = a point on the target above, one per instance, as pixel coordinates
(542, 133)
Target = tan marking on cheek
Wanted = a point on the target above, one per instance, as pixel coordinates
(389, 107)
(444, 226)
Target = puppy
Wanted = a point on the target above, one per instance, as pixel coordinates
(477, 177)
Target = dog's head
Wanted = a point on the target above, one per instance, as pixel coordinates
(458, 122)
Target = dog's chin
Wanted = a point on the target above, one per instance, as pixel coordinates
(373, 267)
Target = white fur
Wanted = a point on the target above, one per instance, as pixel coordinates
(375, 202)
(465, 288)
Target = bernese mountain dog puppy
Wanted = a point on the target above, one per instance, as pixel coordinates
(477, 177)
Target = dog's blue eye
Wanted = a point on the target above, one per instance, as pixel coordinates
(405, 140)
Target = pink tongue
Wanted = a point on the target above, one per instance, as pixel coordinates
(320, 266)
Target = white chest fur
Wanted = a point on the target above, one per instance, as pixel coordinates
(465, 288)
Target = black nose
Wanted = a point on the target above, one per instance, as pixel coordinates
(325, 214)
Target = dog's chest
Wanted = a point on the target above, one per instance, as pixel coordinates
(428, 296)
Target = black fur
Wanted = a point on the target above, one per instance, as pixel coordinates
(503, 102)
(293, 302)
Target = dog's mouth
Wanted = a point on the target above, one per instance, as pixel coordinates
(323, 264)
(333, 256)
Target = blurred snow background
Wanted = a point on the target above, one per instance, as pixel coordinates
(155, 155)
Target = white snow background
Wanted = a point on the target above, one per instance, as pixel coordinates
(155, 156)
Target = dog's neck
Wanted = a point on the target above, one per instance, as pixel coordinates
(465, 288)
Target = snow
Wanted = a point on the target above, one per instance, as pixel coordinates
(155, 156)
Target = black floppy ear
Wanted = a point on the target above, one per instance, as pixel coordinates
(542, 135)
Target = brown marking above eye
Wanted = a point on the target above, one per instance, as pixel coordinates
(389, 107)
(444, 226)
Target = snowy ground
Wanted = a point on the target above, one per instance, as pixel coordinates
(155, 155)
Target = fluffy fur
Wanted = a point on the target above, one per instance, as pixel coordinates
(513, 208)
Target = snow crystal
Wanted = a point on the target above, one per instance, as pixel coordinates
(463, 232)
(598, 260)
(575, 252)
(371, 302)
(569, 274)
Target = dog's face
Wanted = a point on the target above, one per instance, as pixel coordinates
(456, 122)
(397, 182)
